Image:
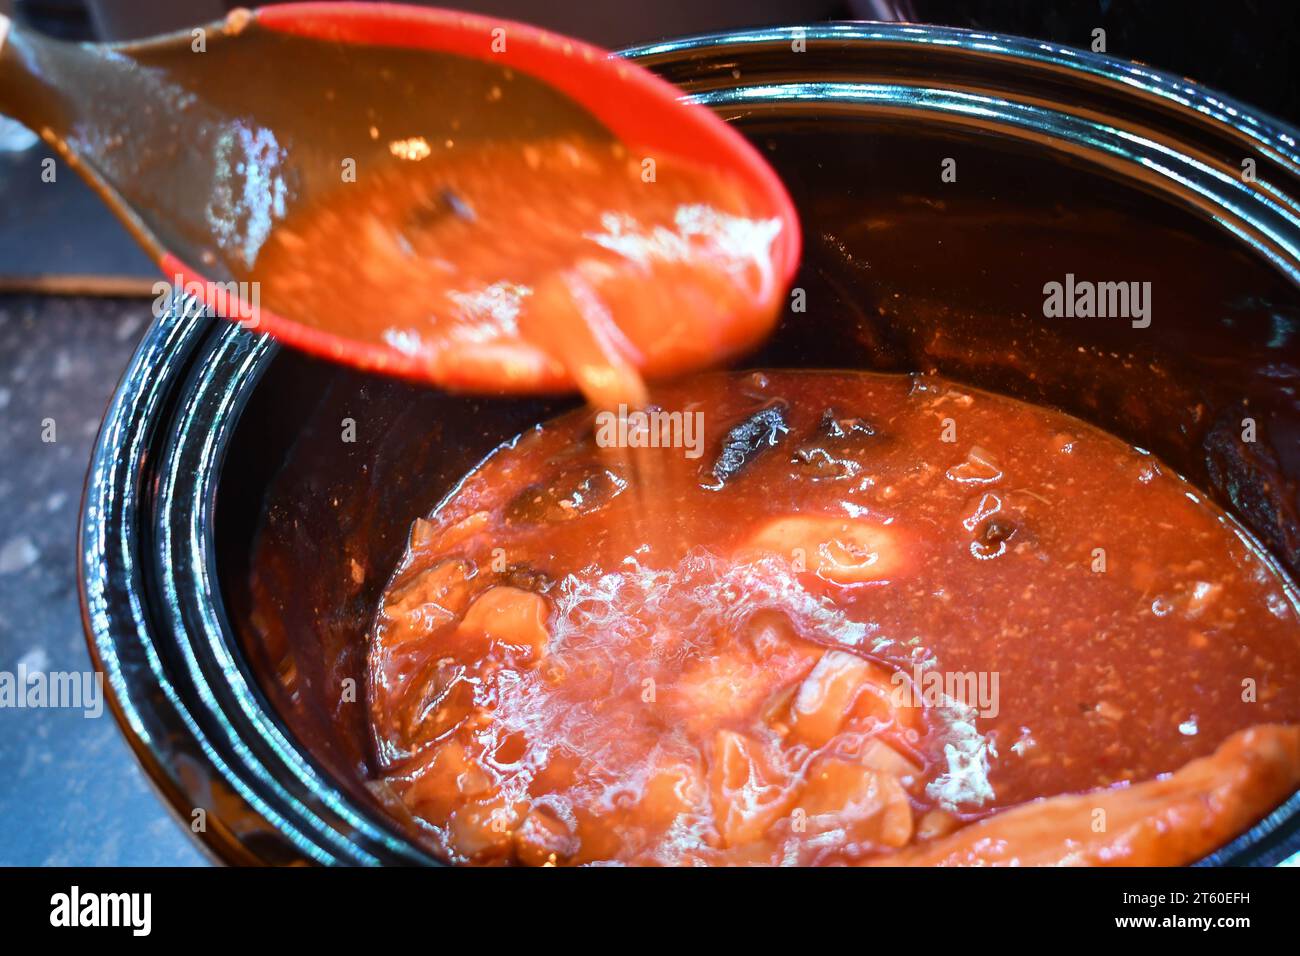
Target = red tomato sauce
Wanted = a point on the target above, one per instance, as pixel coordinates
(533, 266)
(852, 618)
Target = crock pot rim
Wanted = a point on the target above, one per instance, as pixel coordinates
(1269, 132)
(319, 818)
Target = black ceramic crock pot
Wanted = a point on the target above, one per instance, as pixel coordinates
(234, 543)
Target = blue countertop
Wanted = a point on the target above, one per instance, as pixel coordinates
(71, 792)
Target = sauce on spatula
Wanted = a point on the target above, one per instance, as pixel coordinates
(546, 263)
(459, 200)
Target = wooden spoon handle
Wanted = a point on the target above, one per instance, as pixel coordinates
(16, 76)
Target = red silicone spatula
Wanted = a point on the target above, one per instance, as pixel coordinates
(204, 142)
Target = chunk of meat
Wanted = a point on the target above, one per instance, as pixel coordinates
(749, 786)
(432, 537)
(889, 699)
(750, 680)
(673, 786)
(936, 823)
(570, 494)
(834, 449)
(772, 639)
(508, 616)
(438, 698)
(483, 831)
(429, 600)
(834, 425)
(842, 550)
(993, 537)
(821, 705)
(544, 839)
(846, 689)
(1172, 820)
(723, 688)
(978, 468)
(443, 778)
(746, 441)
(879, 756)
(869, 805)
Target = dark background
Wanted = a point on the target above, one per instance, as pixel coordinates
(1242, 47)
(70, 791)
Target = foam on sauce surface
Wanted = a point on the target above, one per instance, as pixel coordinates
(834, 636)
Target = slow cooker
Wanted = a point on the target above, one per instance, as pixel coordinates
(943, 177)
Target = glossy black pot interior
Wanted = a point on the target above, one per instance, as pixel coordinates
(902, 272)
